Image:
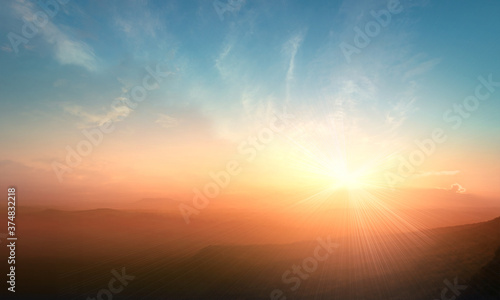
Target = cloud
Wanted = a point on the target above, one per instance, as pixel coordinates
(421, 68)
(6, 48)
(398, 114)
(140, 26)
(437, 173)
(71, 52)
(220, 59)
(60, 82)
(67, 51)
(167, 121)
(291, 47)
(136, 28)
(93, 119)
(457, 188)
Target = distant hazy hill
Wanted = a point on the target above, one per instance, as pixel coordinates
(388, 267)
(75, 250)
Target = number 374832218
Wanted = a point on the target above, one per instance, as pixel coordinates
(11, 214)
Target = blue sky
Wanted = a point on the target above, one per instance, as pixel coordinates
(229, 75)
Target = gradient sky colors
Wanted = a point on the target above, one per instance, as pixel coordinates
(228, 78)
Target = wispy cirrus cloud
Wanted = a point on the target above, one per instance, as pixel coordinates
(167, 121)
(66, 50)
(219, 62)
(290, 48)
(141, 25)
(90, 119)
(437, 173)
(6, 48)
(421, 68)
(396, 116)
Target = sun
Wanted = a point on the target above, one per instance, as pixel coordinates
(351, 179)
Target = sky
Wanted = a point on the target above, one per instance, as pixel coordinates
(116, 101)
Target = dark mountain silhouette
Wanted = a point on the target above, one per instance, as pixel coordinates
(485, 284)
(193, 262)
(400, 266)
